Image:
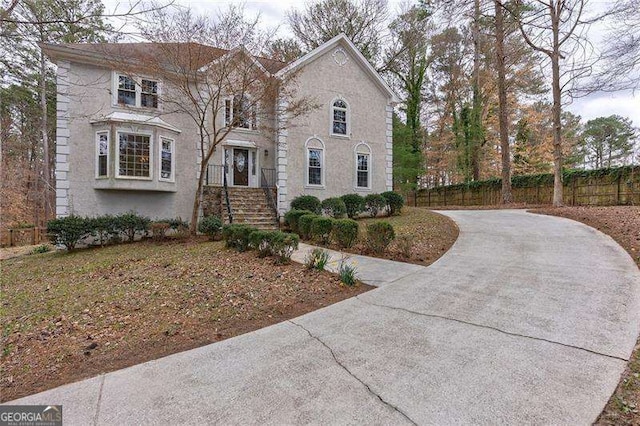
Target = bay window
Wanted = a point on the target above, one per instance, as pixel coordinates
(166, 159)
(102, 154)
(134, 155)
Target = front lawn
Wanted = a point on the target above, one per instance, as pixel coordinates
(71, 316)
(430, 235)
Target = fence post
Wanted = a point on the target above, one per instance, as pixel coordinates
(618, 190)
(10, 237)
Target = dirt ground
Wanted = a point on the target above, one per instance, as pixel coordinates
(69, 316)
(622, 223)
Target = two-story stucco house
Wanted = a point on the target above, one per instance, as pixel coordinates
(117, 150)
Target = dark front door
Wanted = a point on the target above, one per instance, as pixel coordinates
(241, 167)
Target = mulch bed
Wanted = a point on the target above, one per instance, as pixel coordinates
(622, 223)
(431, 235)
(67, 317)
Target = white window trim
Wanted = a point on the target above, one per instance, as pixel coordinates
(97, 148)
(138, 80)
(362, 148)
(323, 164)
(238, 128)
(151, 154)
(348, 115)
(173, 159)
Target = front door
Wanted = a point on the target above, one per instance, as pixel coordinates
(240, 167)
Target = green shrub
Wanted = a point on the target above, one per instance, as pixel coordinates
(306, 202)
(345, 232)
(354, 204)
(177, 223)
(379, 236)
(261, 241)
(292, 216)
(347, 273)
(42, 248)
(394, 200)
(103, 228)
(283, 245)
(210, 226)
(69, 231)
(317, 259)
(237, 236)
(130, 224)
(321, 229)
(375, 203)
(334, 207)
(304, 225)
(159, 230)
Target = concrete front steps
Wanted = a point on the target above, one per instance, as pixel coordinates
(251, 207)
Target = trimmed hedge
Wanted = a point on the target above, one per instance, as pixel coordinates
(354, 203)
(274, 243)
(345, 232)
(304, 225)
(306, 202)
(69, 231)
(210, 226)
(394, 201)
(292, 216)
(260, 241)
(379, 236)
(334, 207)
(321, 228)
(375, 203)
(237, 236)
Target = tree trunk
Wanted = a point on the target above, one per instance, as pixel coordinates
(476, 117)
(556, 112)
(46, 170)
(502, 101)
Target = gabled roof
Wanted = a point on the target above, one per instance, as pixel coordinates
(345, 42)
(191, 55)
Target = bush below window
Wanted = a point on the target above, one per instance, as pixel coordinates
(210, 226)
(306, 202)
(375, 203)
(237, 236)
(354, 203)
(304, 225)
(394, 201)
(321, 229)
(292, 216)
(334, 207)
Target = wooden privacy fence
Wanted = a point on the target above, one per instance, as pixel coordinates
(603, 187)
(23, 236)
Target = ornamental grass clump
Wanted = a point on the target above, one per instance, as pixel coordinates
(317, 259)
(347, 273)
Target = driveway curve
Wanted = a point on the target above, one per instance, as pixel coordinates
(527, 319)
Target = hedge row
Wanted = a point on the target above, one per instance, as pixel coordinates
(267, 243)
(351, 205)
(72, 230)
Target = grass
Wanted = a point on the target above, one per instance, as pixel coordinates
(71, 316)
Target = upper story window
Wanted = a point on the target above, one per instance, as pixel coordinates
(339, 117)
(142, 93)
(240, 112)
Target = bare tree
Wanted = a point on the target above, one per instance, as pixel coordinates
(555, 28)
(362, 21)
(198, 78)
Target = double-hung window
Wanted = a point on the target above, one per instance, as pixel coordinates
(362, 170)
(102, 154)
(314, 166)
(126, 90)
(142, 93)
(134, 155)
(339, 117)
(166, 159)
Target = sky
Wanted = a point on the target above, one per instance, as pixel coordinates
(273, 14)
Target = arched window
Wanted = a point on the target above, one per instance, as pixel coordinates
(314, 173)
(363, 165)
(339, 117)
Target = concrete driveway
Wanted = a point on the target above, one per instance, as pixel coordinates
(527, 320)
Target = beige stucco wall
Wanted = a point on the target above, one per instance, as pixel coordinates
(324, 80)
(89, 95)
